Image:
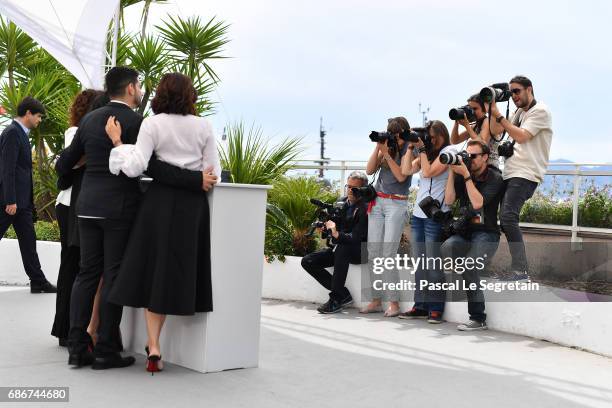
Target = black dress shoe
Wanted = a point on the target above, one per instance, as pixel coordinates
(46, 287)
(113, 360)
(80, 359)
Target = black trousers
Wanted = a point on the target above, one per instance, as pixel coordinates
(103, 242)
(518, 190)
(316, 262)
(26, 236)
(69, 268)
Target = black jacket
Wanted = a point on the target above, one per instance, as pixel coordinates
(102, 193)
(16, 185)
(354, 227)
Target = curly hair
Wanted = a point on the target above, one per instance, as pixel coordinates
(82, 104)
(175, 94)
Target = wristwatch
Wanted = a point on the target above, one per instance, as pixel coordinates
(499, 118)
(466, 179)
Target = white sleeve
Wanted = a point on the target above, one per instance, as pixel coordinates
(133, 160)
(210, 153)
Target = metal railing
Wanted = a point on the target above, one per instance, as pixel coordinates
(579, 171)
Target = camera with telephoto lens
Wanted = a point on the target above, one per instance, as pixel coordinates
(506, 149)
(461, 112)
(456, 159)
(420, 133)
(497, 92)
(365, 193)
(327, 212)
(460, 225)
(433, 209)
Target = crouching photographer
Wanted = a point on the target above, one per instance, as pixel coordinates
(346, 229)
(475, 234)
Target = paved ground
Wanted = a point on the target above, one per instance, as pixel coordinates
(309, 360)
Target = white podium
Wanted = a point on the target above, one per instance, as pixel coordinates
(227, 337)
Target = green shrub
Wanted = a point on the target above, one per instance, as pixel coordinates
(45, 231)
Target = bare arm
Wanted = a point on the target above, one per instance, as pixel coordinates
(374, 161)
(449, 192)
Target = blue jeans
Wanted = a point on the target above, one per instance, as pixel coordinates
(425, 243)
(385, 226)
(481, 244)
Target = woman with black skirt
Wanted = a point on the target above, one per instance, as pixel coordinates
(166, 266)
(70, 186)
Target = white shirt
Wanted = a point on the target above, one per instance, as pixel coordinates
(531, 157)
(185, 141)
(437, 185)
(64, 196)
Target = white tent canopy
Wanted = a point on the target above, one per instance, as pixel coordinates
(73, 31)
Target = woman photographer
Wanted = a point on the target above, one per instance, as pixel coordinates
(426, 232)
(388, 211)
(479, 130)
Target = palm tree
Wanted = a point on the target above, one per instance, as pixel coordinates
(148, 56)
(17, 50)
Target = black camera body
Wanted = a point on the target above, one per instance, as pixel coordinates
(499, 92)
(365, 193)
(327, 212)
(459, 113)
(453, 159)
(506, 149)
(433, 209)
(460, 225)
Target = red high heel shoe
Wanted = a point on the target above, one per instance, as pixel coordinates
(154, 363)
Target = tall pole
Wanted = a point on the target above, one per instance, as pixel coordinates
(424, 113)
(115, 35)
(322, 135)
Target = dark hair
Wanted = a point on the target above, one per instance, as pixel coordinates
(175, 94)
(440, 129)
(82, 104)
(476, 98)
(403, 122)
(117, 78)
(483, 146)
(30, 104)
(101, 100)
(394, 127)
(524, 81)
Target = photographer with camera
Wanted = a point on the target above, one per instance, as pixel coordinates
(473, 118)
(347, 238)
(478, 187)
(427, 216)
(388, 209)
(526, 158)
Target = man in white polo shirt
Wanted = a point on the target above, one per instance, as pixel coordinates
(531, 130)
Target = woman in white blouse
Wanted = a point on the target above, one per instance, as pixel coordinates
(166, 266)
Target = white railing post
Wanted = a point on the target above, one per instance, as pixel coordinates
(343, 173)
(576, 240)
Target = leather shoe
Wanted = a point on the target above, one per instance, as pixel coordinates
(80, 359)
(46, 287)
(113, 360)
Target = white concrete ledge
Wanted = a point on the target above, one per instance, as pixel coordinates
(585, 325)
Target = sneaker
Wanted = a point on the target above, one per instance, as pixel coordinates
(516, 276)
(414, 313)
(347, 301)
(329, 307)
(434, 317)
(472, 325)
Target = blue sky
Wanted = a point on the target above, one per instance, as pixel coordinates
(356, 63)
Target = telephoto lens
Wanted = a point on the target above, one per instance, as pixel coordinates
(499, 92)
(459, 113)
(379, 137)
(454, 159)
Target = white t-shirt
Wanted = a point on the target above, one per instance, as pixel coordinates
(530, 159)
(438, 185)
(64, 196)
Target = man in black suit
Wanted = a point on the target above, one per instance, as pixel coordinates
(106, 207)
(16, 189)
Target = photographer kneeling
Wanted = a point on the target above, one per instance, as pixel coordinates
(479, 191)
(347, 238)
